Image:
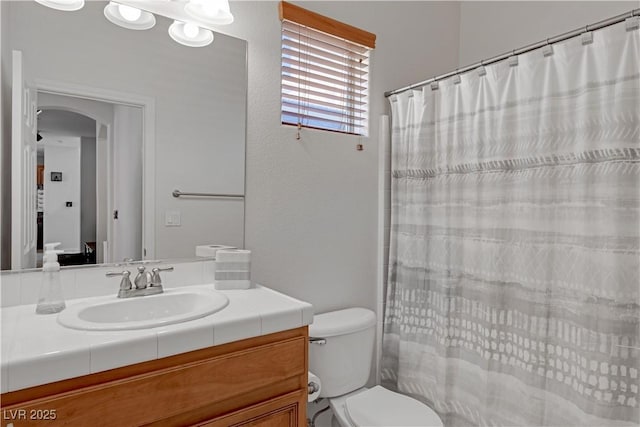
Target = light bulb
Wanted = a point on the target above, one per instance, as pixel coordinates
(129, 13)
(191, 30)
(190, 34)
(128, 16)
(212, 12)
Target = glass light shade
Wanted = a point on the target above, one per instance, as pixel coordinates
(191, 30)
(189, 34)
(212, 12)
(129, 13)
(65, 5)
(129, 17)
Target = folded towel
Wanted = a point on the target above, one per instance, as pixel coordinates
(233, 255)
(210, 250)
(233, 269)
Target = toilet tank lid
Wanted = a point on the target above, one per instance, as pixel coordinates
(341, 322)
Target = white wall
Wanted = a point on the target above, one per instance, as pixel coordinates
(200, 97)
(491, 28)
(311, 215)
(62, 223)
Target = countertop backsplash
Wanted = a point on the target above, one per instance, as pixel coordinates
(22, 287)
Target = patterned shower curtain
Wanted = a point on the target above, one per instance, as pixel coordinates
(513, 288)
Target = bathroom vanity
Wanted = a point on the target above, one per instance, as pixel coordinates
(244, 365)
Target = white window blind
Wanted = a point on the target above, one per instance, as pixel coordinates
(324, 80)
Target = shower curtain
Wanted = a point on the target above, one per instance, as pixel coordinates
(512, 294)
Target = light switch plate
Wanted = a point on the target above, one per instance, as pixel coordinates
(172, 219)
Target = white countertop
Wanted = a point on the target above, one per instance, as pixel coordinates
(37, 350)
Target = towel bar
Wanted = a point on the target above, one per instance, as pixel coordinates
(178, 193)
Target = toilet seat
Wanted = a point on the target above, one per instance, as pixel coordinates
(379, 407)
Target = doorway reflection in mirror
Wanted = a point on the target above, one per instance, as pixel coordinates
(94, 152)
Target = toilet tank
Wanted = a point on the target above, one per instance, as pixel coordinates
(343, 362)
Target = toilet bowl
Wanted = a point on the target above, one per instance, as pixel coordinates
(340, 354)
(379, 407)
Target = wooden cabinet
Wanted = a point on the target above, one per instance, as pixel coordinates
(259, 382)
(278, 412)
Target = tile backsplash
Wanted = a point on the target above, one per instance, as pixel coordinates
(22, 287)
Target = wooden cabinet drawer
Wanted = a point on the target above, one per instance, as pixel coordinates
(183, 393)
(283, 411)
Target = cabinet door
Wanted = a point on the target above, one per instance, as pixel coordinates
(208, 384)
(284, 411)
(283, 417)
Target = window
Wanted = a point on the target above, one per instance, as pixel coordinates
(325, 69)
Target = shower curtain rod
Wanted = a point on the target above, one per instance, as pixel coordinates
(525, 49)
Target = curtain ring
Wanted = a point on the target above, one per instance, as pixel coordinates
(456, 77)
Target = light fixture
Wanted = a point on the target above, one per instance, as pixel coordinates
(129, 17)
(189, 34)
(211, 12)
(65, 5)
(191, 17)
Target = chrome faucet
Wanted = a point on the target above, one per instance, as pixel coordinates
(125, 283)
(142, 278)
(145, 283)
(156, 280)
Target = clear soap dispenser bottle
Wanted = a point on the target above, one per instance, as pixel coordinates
(50, 299)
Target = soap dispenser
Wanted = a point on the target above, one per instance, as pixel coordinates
(50, 299)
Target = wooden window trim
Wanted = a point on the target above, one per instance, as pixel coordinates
(299, 15)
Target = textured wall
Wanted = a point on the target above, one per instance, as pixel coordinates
(491, 28)
(311, 215)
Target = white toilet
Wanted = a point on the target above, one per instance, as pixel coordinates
(340, 354)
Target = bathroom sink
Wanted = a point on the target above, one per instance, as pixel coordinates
(172, 306)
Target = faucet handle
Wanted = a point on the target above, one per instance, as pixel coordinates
(155, 276)
(142, 278)
(125, 283)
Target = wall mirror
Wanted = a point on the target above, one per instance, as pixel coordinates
(113, 122)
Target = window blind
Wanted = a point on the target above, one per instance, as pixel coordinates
(325, 75)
